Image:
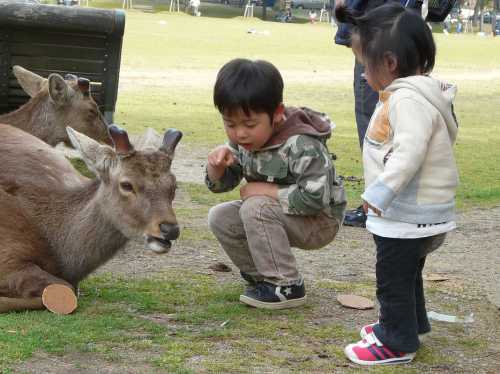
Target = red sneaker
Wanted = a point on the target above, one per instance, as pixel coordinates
(368, 329)
(370, 351)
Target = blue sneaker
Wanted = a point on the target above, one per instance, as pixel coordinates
(270, 296)
(355, 217)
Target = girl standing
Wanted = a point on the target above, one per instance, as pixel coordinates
(410, 173)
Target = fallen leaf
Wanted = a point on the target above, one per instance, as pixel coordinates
(220, 266)
(355, 302)
(436, 277)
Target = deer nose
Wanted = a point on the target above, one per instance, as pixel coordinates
(170, 231)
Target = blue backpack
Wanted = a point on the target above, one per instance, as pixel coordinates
(438, 10)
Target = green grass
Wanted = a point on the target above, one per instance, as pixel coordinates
(173, 317)
(113, 313)
(199, 46)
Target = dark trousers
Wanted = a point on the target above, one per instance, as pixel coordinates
(400, 292)
(365, 100)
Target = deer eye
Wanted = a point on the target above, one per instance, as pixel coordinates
(127, 186)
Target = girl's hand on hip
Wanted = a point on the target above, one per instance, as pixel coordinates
(367, 206)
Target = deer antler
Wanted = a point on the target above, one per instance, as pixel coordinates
(170, 140)
(84, 85)
(120, 138)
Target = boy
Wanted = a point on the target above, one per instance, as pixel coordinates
(292, 196)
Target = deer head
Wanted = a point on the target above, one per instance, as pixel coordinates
(137, 187)
(69, 103)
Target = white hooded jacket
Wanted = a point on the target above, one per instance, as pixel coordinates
(410, 169)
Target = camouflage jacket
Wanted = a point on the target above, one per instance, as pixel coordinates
(296, 159)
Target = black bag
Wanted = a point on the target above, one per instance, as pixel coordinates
(439, 9)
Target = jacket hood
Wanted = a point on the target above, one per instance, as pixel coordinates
(439, 94)
(301, 121)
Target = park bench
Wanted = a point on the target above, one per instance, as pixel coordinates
(49, 39)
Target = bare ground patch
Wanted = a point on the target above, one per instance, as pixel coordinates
(89, 363)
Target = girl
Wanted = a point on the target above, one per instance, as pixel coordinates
(410, 173)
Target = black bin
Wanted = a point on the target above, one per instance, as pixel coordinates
(49, 39)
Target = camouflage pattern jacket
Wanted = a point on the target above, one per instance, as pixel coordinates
(297, 159)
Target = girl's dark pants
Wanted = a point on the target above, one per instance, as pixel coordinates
(400, 292)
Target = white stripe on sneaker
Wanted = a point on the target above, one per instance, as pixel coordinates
(278, 293)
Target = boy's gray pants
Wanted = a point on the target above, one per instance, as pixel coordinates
(257, 235)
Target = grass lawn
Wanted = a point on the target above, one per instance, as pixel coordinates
(169, 64)
(317, 73)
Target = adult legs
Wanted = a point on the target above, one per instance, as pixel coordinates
(365, 100)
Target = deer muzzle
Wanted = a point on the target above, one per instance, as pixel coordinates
(163, 244)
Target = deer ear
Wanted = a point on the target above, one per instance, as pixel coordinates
(59, 90)
(170, 140)
(30, 82)
(98, 158)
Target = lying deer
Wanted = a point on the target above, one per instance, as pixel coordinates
(55, 104)
(57, 226)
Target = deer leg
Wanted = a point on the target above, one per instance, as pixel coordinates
(10, 304)
(35, 288)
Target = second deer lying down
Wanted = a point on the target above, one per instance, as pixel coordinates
(57, 226)
(55, 104)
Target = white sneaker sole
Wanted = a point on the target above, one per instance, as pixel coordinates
(275, 305)
(390, 361)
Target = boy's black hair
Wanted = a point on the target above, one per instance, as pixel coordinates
(248, 85)
(395, 29)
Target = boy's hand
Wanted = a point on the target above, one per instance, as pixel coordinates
(367, 206)
(218, 160)
(259, 189)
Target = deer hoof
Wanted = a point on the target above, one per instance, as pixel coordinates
(59, 299)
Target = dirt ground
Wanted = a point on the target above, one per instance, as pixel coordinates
(468, 260)
(470, 254)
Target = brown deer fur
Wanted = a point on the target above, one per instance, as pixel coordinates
(57, 226)
(55, 104)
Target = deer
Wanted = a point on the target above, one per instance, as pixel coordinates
(57, 226)
(55, 103)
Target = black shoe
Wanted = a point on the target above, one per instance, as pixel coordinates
(269, 296)
(249, 279)
(251, 282)
(355, 217)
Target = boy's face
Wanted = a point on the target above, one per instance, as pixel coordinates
(251, 131)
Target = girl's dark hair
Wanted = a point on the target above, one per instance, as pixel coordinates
(248, 85)
(395, 29)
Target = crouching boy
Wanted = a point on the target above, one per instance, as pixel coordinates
(292, 197)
